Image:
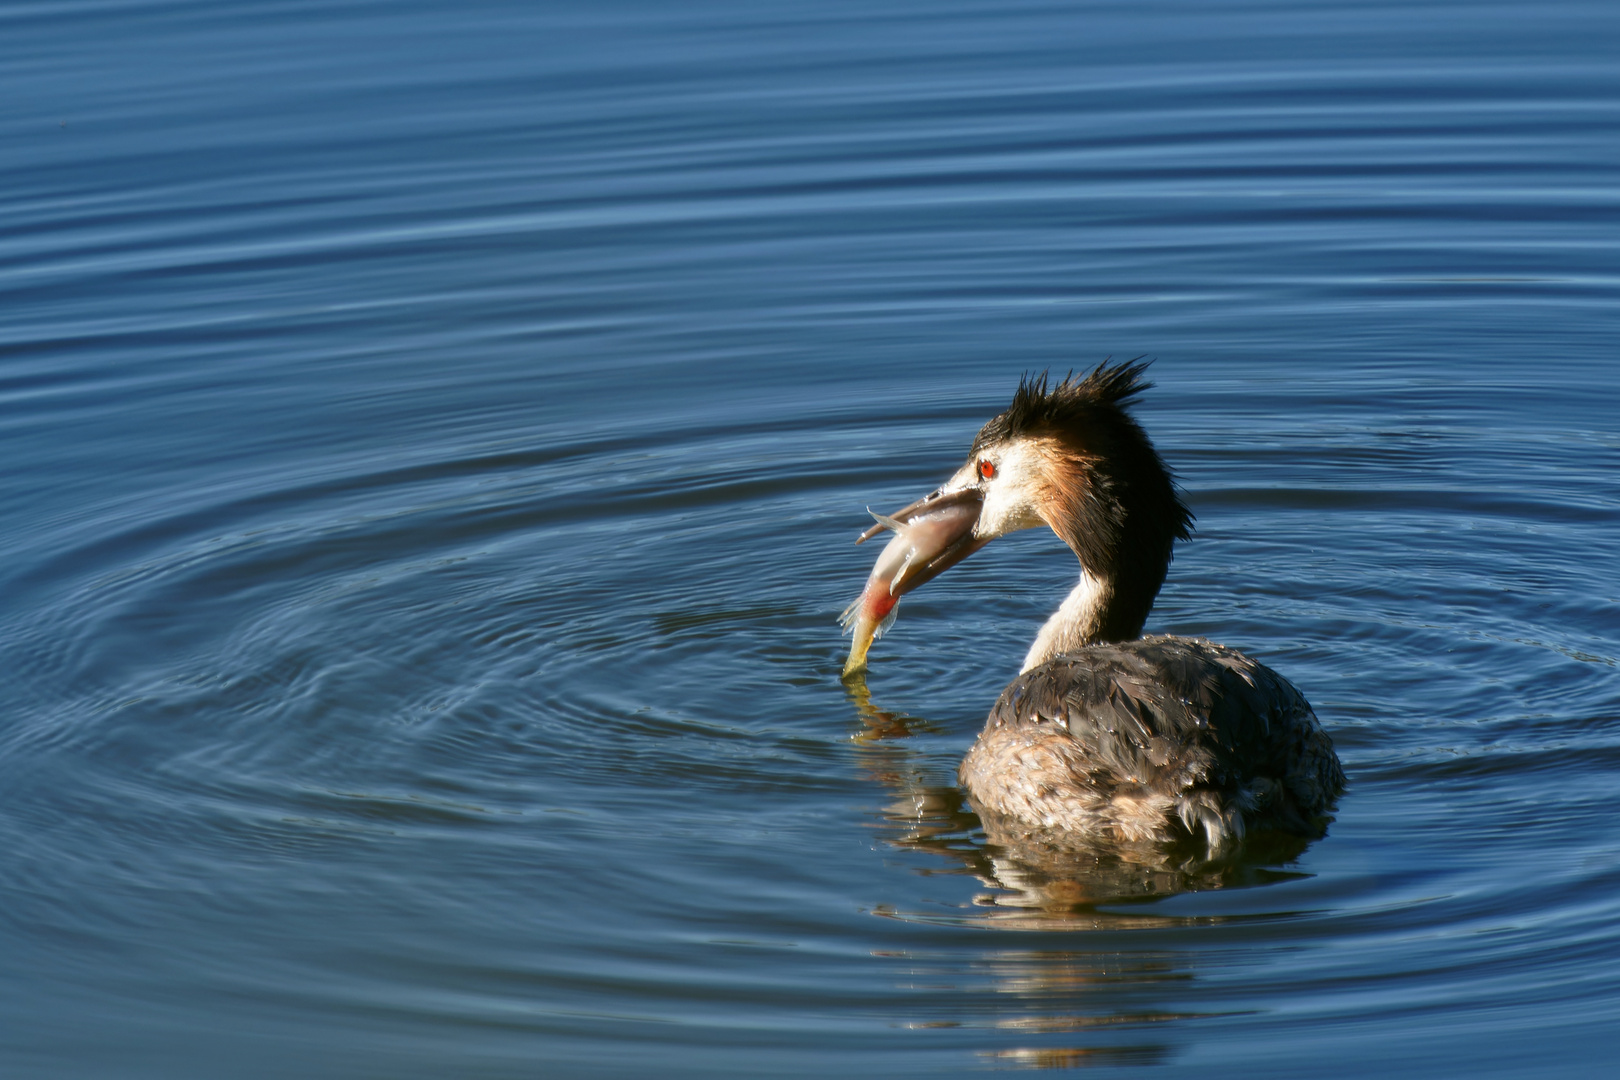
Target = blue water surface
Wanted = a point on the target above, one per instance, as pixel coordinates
(433, 437)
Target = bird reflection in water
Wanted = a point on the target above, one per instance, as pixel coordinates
(1105, 1003)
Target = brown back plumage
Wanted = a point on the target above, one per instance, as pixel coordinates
(1154, 740)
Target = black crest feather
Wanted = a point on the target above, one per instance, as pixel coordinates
(1038, 407)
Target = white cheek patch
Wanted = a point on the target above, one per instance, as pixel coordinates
(1010, 501)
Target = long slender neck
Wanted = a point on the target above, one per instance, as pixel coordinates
(1103, 607)
(1078, 621)
(1109, 497)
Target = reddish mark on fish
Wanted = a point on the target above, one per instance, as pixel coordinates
(879, 602)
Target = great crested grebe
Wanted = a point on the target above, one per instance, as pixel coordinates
(1104, 733)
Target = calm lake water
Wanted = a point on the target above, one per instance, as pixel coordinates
(433, 439)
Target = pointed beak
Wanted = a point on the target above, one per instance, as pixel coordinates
(931, 535)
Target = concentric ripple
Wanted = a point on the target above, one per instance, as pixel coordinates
(434, 443)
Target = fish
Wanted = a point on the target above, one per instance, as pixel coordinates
(930, 535)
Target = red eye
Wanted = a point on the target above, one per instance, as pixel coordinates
(987, 469)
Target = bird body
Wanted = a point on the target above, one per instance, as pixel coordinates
(1152, 740)
(1105, 733)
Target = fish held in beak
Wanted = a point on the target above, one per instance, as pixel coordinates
(930, 536)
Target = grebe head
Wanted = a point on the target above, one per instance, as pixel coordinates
(1068, 456)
